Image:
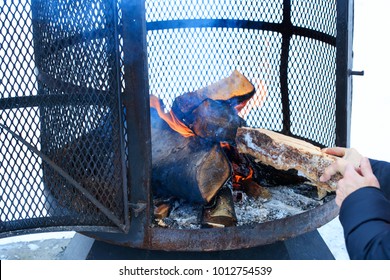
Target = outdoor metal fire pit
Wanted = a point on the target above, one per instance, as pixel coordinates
(75, 139)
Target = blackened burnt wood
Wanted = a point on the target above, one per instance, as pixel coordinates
(216, 121)
(236, 89)
(186, 167)
(250, 176)
(220, 212)
(254, 189)
(271, 176)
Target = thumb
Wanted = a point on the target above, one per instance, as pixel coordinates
(365, 167)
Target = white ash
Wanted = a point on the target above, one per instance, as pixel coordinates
(284, 202)
(184, 216)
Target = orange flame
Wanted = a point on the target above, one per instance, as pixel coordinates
(256, 101)
(170, 118)
(238, 177)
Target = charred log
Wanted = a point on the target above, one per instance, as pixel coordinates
(186, 167)
(235, 89)
(249, 176)
(216, 121)
(273, 177)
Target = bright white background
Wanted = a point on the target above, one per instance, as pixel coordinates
(371, 93)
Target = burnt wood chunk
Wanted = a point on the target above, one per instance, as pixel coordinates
(235, 89)
(216, 121)
(162, 211)
(220, 213)
(255, 190)
(285, 153)
(188, 168)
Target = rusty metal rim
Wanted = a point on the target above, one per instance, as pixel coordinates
(231, 238)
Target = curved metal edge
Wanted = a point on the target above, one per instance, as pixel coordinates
(231, 238)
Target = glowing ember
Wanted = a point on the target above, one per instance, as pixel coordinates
(242, 171)
(170, 118)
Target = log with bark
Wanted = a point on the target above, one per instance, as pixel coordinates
(286, 153)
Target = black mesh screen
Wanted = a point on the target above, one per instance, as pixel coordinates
(63, 138)
(62, 144)
(290, 61)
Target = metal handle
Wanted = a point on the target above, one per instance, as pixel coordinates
(356, 73)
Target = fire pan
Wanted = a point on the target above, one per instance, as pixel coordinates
(75, 124)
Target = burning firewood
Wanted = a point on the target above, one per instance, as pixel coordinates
(235, 89)
(162, 211)
(285, 153)
(186, 167)
(216, 121)
(187, 159)
(250, 176)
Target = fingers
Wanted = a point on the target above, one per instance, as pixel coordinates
(335, 151)
(337, 167)
(353, 156)
(354, 179)
(328, 173)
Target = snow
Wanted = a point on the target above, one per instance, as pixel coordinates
(37, 237)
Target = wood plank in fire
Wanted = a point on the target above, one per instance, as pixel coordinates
(285, 153)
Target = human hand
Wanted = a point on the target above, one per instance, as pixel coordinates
(349, 166)
(347, 156)
(354, 179)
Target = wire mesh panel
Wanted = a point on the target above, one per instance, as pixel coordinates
(287, 49)
(62, 145)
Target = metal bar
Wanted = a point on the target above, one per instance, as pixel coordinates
(92, 97)
(343, 68)
(287, 29)
(356, 73)
(68, 178)
(136, 102)
(246, 24)
(114, 52)
(11, 228)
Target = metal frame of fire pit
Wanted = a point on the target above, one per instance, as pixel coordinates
(124, 34)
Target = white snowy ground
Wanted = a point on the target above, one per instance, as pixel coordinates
(51, 246)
